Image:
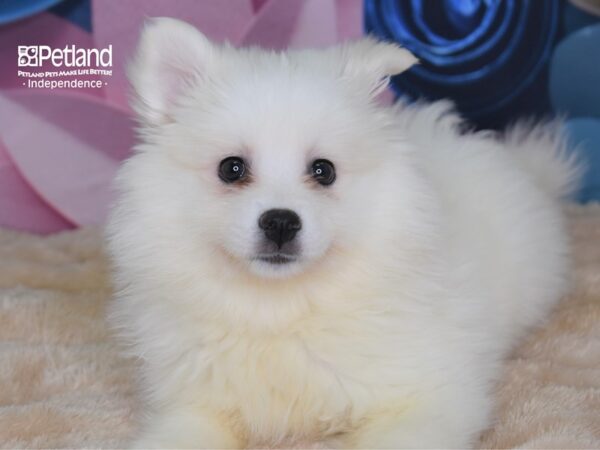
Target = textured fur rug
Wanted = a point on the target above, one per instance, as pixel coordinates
(63, 385)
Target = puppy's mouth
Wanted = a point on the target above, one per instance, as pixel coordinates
(276, 258)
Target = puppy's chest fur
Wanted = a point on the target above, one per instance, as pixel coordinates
(299, 384)
(278, 386)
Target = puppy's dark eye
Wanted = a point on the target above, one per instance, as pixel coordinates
(323, 172)
(232, 169)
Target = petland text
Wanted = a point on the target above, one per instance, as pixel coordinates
(69, 56)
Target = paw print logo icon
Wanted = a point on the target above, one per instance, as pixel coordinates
(28, 56)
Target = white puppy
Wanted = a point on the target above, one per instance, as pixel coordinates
(298, 266)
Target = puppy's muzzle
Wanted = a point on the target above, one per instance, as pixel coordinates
(280, 225)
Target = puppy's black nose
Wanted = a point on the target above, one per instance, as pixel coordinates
(280, 225)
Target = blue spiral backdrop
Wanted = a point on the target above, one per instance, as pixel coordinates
(489, 56)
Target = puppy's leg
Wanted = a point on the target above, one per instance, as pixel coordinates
(416, 433)
(315, 445)
(440, 423)
(186, 427)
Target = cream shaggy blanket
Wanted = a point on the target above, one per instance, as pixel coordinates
(62, 383)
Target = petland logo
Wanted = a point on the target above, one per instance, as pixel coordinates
(69, 56)
(44, 67)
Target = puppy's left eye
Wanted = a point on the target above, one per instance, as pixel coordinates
(323, 171)
(232, 169)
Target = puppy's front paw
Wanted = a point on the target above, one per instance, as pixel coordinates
(311, 446)
(143, 443)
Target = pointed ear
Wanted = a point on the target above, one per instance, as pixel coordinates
(171, 55)
(374, 62)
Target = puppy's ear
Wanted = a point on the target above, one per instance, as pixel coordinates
(171, 55)
(373, 62)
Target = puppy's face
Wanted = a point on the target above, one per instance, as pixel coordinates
(271, 162)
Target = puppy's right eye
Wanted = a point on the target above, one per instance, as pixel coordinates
(323, 171)
(232, 169)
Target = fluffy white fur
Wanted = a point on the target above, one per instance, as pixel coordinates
(420, 266)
